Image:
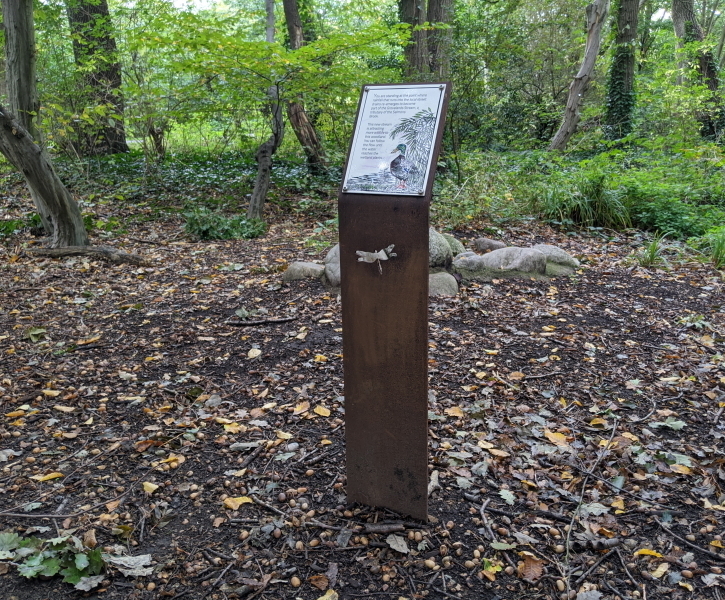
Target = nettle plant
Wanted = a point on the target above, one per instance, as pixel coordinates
(65, 555)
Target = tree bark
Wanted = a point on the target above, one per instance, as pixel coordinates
(688, 30)
(266, 149)
(20, 61)
(620, 85)
(596, 15)
(417, 65)
(439, 40)
(53, 201)
(304, 129)
(95, 53)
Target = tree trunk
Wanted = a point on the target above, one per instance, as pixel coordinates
(53, 201)
(596, 15)
(417, 65)
(304, 129)
(620, 85)
(94, 50)
(439, 40)
(688, 30)
(266, 150)
(20, 61)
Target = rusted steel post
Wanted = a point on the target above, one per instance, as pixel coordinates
(385, 321)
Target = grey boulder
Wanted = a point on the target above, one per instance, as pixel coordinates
(303, 270)
(331, 277)
(456, 246)
(439, 251)
(558, 262)
(508, 262)
(487, 244)
(442, 284)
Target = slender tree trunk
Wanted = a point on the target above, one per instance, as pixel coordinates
(52, 199)
(646, 39)
(439, 40)
(688, 30)
(304, 129)
(596, 16)
(266, 150)
(413, 12)
(620, 85)
(94, 49)
(20, 61)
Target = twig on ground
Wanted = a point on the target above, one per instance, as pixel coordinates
(267, 506)
(260, 322)
(711, 554)
(254, 454)
(589, 571)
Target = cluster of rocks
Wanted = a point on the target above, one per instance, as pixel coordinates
(450, 262)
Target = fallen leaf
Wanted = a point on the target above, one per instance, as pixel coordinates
(65, 409)
(235, 503)
(234, 428)
(660, 571)
(48, 477)
(501, 453)
(454, 411)
(321, 582)
(322, 411)
(531, 568)
(218, 521)
(15, 413)
(320, 358)
(558, 439)
(717, 544)
(516, 375)
(149, 487)
(329, 595)
(681, 469)
(283, 435)
(397, 543)
(254, 353)
(647, 552)
(302, 407)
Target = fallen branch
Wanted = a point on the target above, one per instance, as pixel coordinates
(103, 252)
(260, 322)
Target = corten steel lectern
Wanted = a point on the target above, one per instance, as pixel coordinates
(383, 210)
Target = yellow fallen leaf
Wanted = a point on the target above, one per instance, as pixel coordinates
(234, 428)
(65, 409)
(329, 595)
(302, 407)
(500, 453)
(283, 435)
(566, 475)
(686, 585)
(559, 439)
(322, 411)
(269, 405)
(52, 393)
(111, 506)
(149, 487)
(630, 436)
(47, 477)
(254, 353)
(598, 423)
(484, 444)
(480, 374)
(681, 469)
(717, 544)
(90, 340)
(320, 358)
(647, 552)
(454, 411)
(660, 571)
(88, 422)
(174, 458)
(469, 388)
(223, 421)
(326, 442)
(235, 503)
(709, 505)
(530, 484)
(15, 413)
(516, 375)
(491, 352)
(618, 503)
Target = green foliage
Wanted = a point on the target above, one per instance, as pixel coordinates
(651, 254)
(10, 227)
(674, 217)
(712, 244)
(66, 555)
(205, 224)
(585, 200)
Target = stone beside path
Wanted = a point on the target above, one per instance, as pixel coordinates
(448, 257)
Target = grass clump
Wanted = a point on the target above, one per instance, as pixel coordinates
(651, 254)
(205, 224)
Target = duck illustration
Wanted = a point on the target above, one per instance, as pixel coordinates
(402, 168)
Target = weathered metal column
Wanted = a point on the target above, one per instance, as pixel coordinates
(383, 210)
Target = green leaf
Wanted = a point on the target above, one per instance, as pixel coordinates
(81, 561)
(502, 546)
(9, 541)
(95, 560)
(670, 422)
(51, 566)
(72, 575)
(507, 496)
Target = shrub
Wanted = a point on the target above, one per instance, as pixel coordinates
(10, 226)
(676, 218)
(205, 224)
(583, 200)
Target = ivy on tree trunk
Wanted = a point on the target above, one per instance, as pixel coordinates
(620, 84)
